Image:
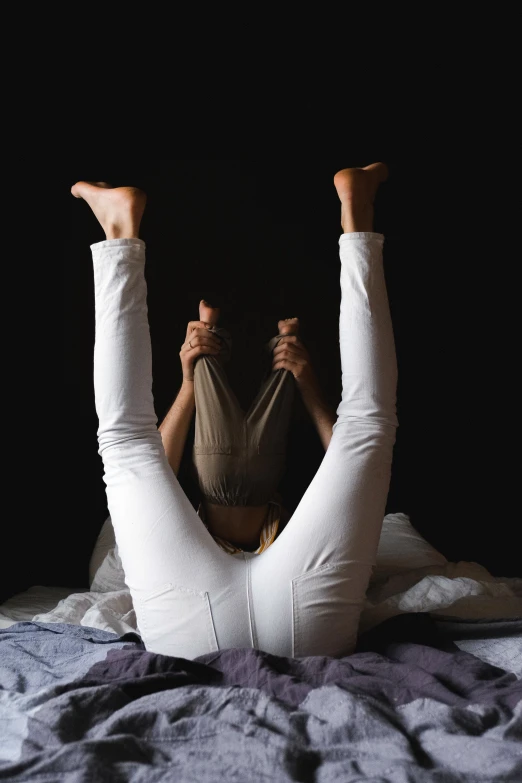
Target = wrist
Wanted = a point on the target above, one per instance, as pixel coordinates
(316, 405)
(186, 394)
(185, 398)
(321, 413)
(310, 390)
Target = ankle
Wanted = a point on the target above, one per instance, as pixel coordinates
(356, 216)
(122, 230)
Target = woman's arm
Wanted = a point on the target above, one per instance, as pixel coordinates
(290, 354)
(322, 415)
(175, 426)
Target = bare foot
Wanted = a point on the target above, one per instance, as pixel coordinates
(207, 313)
(118, 210)
(356, 189)
(288, 326)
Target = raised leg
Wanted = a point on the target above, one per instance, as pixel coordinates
(317, 571)
(184, 587)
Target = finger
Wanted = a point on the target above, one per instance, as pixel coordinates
(287, 346)
(284, 364)
(195, 325)
(295, 366)
(289, 338)
(202, 337)
(289, 349)
(297, 369)
(203, 334)
(201, 341)
(191, 353)
(188, 354)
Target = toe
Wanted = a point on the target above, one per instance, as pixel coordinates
(207, 313)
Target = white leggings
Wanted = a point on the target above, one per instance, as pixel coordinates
(304, 594)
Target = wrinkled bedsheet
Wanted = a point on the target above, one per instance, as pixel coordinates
(83, 704)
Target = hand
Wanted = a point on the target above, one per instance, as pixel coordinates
(199, 341)
(290, 354)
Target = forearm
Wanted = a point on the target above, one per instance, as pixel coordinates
(175, 426)
(322, 415)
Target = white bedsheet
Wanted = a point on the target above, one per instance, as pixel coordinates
(461, 590)
(410, 576)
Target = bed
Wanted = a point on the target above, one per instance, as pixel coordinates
(433, 691)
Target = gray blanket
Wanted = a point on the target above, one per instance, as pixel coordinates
(79, 704)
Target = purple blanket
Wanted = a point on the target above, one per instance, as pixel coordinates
(85, 705)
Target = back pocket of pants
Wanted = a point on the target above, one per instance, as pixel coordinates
(325, 612)
(177, 621)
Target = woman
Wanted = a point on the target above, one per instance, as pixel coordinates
(238, 457)
(303, 595)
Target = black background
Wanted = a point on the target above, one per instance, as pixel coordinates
(259, 239)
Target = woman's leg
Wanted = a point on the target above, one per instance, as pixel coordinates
(188, 594)
(308, 588)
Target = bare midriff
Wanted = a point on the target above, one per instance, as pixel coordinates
(240, 525)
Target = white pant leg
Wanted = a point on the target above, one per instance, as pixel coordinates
(190, 597)
(308, 588)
